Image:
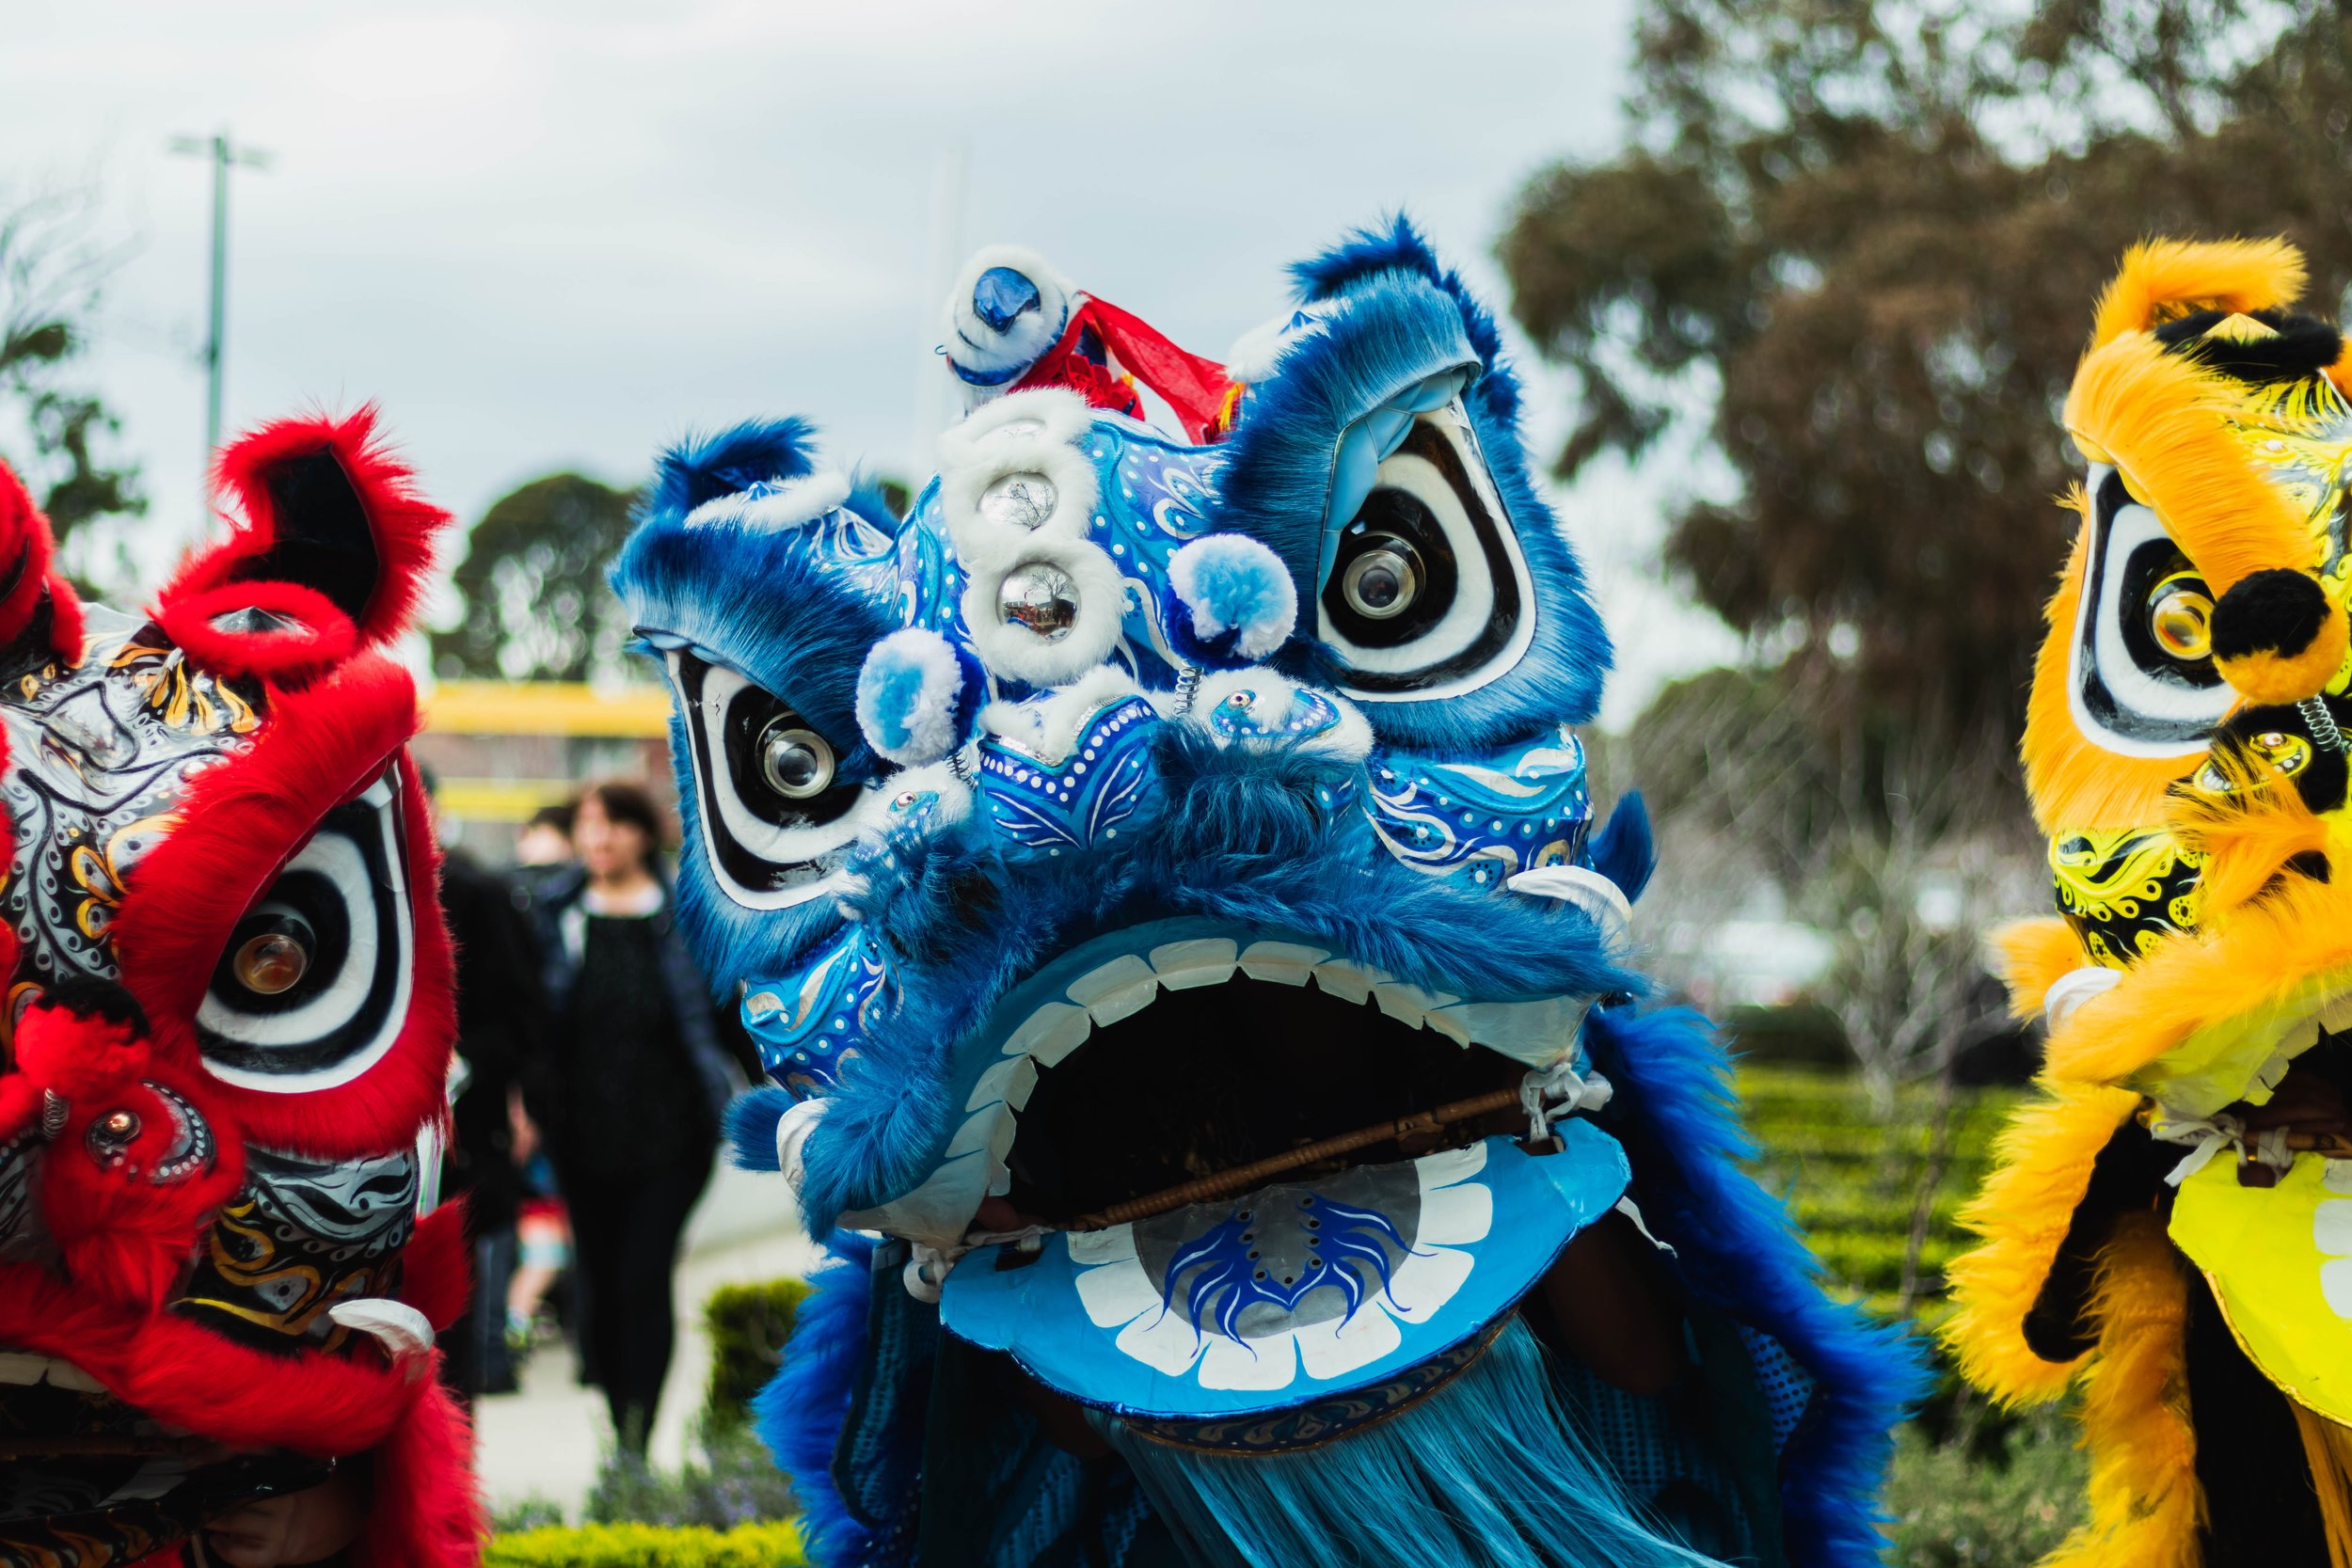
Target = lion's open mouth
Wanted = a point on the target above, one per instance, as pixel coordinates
(1211, 1080)
(1164, 1071)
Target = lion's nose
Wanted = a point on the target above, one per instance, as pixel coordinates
(2276, 636)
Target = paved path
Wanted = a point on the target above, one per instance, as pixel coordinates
(546, 1442)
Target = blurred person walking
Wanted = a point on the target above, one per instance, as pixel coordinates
(629, 1091)
(501, 1012)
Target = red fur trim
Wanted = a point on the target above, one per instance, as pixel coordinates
(428, 1509)
(403, 523)
(77, 1056)
(436, 1269)
(240, 823)
(27, 567)
(184, 1374)
(320, 638)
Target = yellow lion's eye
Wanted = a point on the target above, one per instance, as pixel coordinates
(271, 963)
(2181, 621)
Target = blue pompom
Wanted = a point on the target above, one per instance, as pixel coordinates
(1235, 600)
(916, 697)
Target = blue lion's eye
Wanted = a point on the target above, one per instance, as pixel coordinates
(774, 799)
(1427, 594)
(1379, 578)
(796, 763)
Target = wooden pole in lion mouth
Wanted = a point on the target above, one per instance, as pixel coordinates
(1241, 1179)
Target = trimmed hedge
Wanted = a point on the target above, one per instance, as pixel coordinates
(748, 1325)
(647, 1546)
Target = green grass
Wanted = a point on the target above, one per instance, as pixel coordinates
(1852, 1179)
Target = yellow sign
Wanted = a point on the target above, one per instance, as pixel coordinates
(547, 708)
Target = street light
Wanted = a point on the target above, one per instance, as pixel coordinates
(223, 153)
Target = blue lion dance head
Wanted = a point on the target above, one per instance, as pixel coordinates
(1161, 879)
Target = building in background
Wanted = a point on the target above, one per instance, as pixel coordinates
(501, 750)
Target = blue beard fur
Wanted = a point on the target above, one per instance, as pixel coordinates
(1487, 1472)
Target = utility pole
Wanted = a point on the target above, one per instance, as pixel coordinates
(223, 153)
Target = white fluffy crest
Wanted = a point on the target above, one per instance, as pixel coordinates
(780, 506)
(1257, 351)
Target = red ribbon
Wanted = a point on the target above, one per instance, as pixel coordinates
(1193, 388)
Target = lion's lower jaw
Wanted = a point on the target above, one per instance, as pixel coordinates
(1487, 1472)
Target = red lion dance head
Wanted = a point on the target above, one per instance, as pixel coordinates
(226, 1031)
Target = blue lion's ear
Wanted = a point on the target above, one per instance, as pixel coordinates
(1379, 454)
(704, 467)
(1624, 851)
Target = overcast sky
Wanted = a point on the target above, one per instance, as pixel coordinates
(552, 236)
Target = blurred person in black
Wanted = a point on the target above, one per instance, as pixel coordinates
(499, 1016)
(628, 1090)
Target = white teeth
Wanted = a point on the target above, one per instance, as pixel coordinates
(1120, 989)
(1283, 962)
(1532, 1032)
(993, 1084)
(977, 1132)
(1012, 1080)
(1204, 961)
(1405, 1004)
(1345, 981)
(1050, 1034)
(1022, 1086)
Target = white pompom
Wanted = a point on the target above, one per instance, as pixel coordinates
(910, 697)
(1232, 583)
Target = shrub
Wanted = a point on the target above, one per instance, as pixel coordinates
(735, 1482)
(748, 1325)
(1974, 1503)
(647, 1546)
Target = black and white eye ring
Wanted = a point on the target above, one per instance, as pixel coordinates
(1427, 594)
(313, 985)
(772, 802)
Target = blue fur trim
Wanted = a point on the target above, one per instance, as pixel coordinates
(1624, 852)
(800, 1414)
(704, 467)
(1738, 1250)
(1487, 1472)
(1403, 317)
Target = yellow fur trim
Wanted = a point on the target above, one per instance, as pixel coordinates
(2165, 419)
(2250, 827)
(2041, 1170)
(2029, 956)
(2072, 781)
(2327, 1449)
(2199, 1016)
(2163, 279)
(2146, 1506)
